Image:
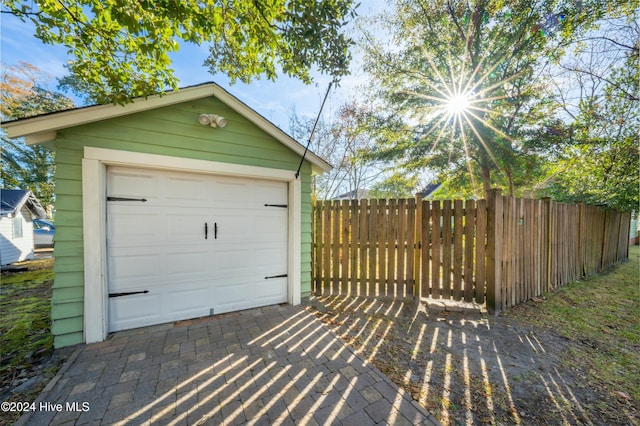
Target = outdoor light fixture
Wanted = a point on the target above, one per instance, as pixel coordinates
(212, 120)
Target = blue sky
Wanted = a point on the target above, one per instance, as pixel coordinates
(274, 100)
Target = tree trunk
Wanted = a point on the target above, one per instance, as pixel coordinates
(509, 173)
(486, 173)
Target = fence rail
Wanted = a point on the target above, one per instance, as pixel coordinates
(502, 250)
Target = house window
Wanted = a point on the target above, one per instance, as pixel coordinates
(17, 227)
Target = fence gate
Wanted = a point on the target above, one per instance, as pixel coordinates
(365, 248)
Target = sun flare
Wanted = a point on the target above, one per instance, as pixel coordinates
(458, 104)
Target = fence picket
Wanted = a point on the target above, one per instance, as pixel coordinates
(353, 247)
(383, 249)
(469, 242)
(521, 251)
(425, 254)
(436, 257)
(343, 243)
(457, 250)
(446, 249)
(510, 253)
(410, 248)
(623, 240)
(528, 246)
(537, 214)
(401, 248)
(373, 250)
(362, 246)
(326, 250)
(481, 244)
(335, 247)
(391, 242)
(512, 223)
(317, 245)
(417, 250)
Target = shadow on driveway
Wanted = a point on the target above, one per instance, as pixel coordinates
(470, 368)
(273, 365)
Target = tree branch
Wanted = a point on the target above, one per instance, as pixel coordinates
(19, 14)
(264, 18)
(635, 49)
(628, 96)
(455, 21)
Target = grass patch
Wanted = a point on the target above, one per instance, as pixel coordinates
(601, 314)
(25, 320)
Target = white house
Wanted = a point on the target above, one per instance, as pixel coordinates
(18, 208)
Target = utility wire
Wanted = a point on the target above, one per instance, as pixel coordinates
(313, 130)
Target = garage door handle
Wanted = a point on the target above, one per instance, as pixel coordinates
(206, 230)
(215, 230)
(144, 200)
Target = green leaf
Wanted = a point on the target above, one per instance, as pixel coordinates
(247, 39)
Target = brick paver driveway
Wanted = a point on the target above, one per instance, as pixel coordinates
(273, 365)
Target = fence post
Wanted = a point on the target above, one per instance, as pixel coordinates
(494, 250)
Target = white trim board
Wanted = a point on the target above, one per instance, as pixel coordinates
(94, 171)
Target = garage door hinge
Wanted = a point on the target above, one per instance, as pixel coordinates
(129, 293)
(144, 200)
(275, 276)
(284, 206)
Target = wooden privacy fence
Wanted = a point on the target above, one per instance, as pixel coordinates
(503, 250)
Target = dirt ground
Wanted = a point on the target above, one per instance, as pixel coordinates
(474, 368)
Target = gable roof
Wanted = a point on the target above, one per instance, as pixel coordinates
(430, 189)
(43, 128)
(12, 200)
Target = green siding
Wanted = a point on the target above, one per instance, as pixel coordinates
(173, 131)
(306, 237)
(68, 339)
(70, 310)
(66, 290)
(69, 264)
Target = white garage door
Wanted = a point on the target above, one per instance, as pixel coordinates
(187, 245)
